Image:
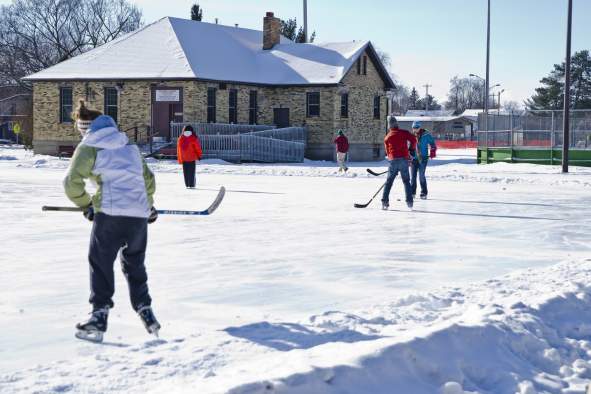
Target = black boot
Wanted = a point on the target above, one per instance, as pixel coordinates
(94, 328)
(149, 320)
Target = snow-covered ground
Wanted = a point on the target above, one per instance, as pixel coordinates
(485, 287)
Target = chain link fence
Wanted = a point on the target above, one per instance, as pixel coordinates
(535, 129)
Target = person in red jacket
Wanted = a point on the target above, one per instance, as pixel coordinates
(400, 146)
(342, 144)
(188, 151)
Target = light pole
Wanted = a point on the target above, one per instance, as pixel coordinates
(305, 21)
(499, 101)
(566, 120)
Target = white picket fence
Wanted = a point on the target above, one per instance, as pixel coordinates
(251, 143)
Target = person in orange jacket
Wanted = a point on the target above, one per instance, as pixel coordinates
(188, 151)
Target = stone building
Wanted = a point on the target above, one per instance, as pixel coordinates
(187, 71)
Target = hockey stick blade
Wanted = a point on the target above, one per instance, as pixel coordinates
(369, 170)
(214, 205)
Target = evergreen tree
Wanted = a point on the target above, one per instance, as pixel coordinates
(413, 99)
(551, 94)
(196, 13)
(289, 29)
(433, 104)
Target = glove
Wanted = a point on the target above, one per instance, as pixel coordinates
(89, 213)
(433, 153)
(153, 215)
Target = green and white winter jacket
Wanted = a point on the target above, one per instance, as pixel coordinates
(125, 184)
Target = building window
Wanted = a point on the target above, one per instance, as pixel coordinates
(65, 105)
(345, 105)
(233, 106)
(364, 65)
(111, 103)
(359, 66)
(376, 107)
(253, 107)
(313, 104)
(211, 104)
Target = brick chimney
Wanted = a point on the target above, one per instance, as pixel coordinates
(271, 31)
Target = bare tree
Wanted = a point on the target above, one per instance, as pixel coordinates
(512, 106)
(36, 34)
(465, 93)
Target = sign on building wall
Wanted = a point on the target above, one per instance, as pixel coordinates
(167, 95)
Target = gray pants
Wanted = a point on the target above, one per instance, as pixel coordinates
(397, 166)
(111, 234)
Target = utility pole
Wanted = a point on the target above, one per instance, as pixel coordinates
(427, 86)
(566, 120)
(487, 81)
(305, 21)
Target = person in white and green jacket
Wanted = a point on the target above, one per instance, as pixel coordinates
(120, 211)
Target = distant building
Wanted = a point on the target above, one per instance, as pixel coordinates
(451, 128)
(186, 71)
(15, 107)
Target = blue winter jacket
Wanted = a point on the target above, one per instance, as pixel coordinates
(424, 140)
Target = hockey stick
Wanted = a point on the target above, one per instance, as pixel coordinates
(369, 202)
(376, 173)
(214, 205)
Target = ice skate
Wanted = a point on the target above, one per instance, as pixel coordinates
(149, 320)
(94, 328)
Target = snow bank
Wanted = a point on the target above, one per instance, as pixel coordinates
(527, 332)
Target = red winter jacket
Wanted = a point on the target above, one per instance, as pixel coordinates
(188, 149)
(398, 142)
(342, 144)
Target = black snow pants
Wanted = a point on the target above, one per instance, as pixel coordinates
(111, 234)
(189, 173)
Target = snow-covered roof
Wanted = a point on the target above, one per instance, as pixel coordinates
(430, 118)
(433, 112)
(173, 48)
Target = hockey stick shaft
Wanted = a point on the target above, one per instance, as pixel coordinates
(160, 211)
(369, 202)
(207, 211)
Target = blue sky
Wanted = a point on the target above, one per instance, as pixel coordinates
(429, 41)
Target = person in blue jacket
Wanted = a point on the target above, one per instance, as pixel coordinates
(426, 148)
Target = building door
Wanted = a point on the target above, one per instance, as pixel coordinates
(167, 106)
(281, 117)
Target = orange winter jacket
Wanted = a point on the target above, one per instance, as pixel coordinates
(188, 149)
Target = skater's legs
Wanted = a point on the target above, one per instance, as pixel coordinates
(406, 181)
(392, 172)
(423, 178)
(341, 157)
(191, 174)
(413, 180)
(186, 173)
(132, 261)
(103, 250)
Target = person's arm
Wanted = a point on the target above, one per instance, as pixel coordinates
(80, 169)
(179, 153)
(150, 182)
(433, 146)
(197, 147)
